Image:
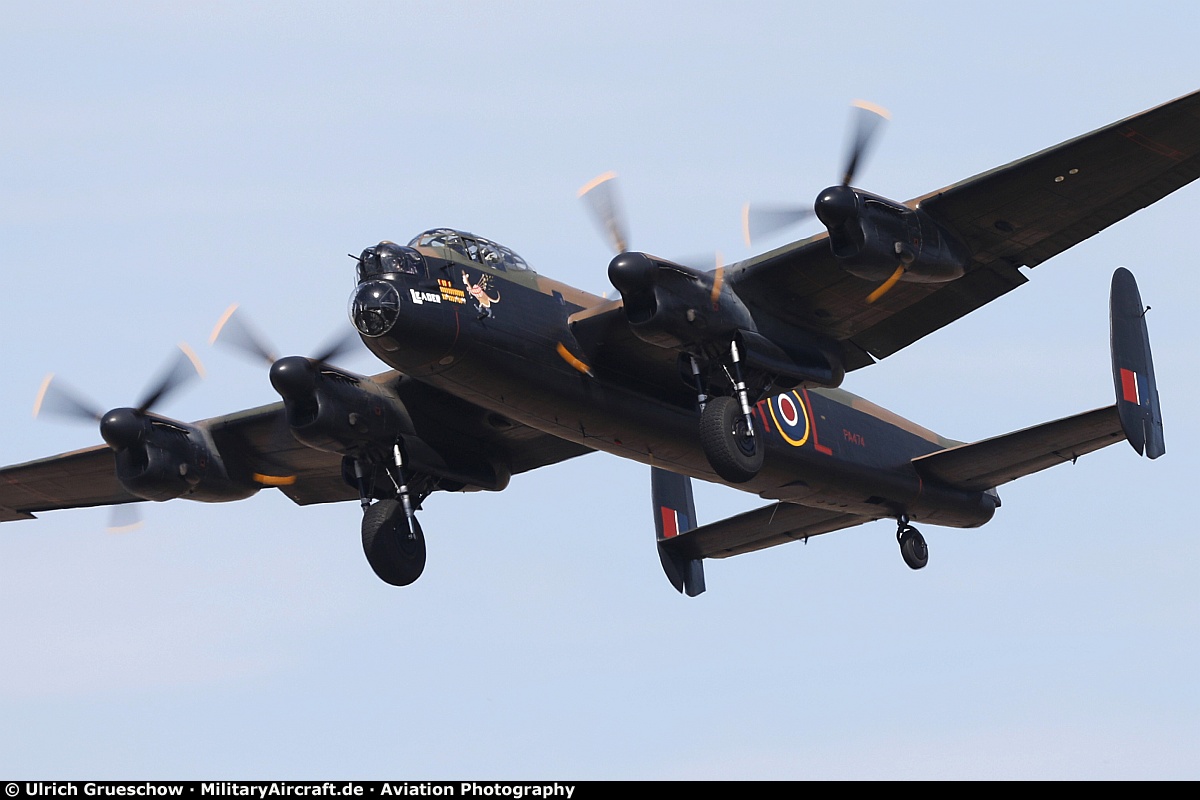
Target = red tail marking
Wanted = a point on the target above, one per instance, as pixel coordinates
(1129, 387)
(670, 527)
(812, 418)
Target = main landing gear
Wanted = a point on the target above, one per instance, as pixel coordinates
(913, 549)
(734, 449)
(394, 550)
(391, 536)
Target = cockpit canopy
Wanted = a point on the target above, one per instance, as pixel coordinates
(459, 246)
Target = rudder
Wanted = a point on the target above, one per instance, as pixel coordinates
(675, 513)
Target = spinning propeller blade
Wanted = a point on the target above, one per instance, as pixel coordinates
(766, 220)
(55, 399)
(600, 197)
(233, 330)
(125, 518)
(338, 345)
(184, 368)
(761, 221)
(867, 119)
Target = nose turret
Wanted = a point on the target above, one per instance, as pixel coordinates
(374, 307)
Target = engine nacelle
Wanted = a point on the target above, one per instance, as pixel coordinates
(871, 236)
(673, 306)
(338, 412)
(160, 459)
(358, 418)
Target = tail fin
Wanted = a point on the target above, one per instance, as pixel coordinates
(675, 513)
(1133, 367)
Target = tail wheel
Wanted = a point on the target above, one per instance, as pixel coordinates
(734, 451)
(913, 549)
(396, 555)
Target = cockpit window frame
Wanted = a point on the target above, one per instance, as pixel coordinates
(469, 247)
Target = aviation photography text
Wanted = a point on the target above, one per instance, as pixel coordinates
(265, 789)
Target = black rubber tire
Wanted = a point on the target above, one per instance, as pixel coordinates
(396, 557)
(913, 549)
(733, 454)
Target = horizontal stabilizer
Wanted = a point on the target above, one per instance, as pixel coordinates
(763, 527)
(983, 465)
(1136, 415)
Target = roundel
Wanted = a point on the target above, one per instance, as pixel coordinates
(790, 416)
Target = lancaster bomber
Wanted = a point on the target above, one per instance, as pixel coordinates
(731, 374)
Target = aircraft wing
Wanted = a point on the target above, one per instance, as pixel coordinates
(758, 529)
(1016, 215)
(80, 479)
(258, 441)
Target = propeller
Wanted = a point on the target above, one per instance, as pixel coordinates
(602, 201)
(121, 427)
(235, 331)
(600, 197)
(57, 399)
(292, 376)
(759, 221)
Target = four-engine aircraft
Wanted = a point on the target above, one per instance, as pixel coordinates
(729, 375)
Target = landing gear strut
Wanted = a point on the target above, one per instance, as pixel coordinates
(913, 549)
(392, 538)
(727, 433)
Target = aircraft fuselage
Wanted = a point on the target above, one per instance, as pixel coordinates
(503, 340)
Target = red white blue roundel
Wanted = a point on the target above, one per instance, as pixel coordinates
(790, 416)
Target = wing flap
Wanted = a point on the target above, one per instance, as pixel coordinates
(768, 526)
(989, 463)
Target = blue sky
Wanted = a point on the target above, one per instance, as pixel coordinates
(164, 160)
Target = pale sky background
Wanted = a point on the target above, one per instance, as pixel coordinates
(161, 161)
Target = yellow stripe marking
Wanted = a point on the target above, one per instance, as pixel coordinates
(274, 480)
(887, 285)
(568, 357)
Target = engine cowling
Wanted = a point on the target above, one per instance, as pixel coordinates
(673, 306)
(358, 418)
(871, 235)
(160, 459)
